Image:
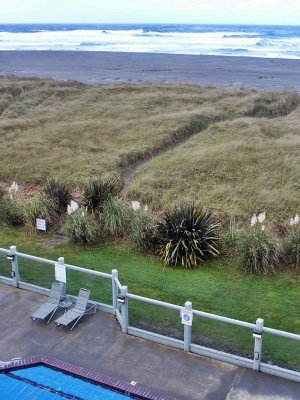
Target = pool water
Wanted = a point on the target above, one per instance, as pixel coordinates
(43, 383)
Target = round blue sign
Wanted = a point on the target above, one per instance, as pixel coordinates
(186, 317)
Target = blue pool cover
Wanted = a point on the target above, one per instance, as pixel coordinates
(43, 383)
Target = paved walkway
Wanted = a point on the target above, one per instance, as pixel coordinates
(98, 344)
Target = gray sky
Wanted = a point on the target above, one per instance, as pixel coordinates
(151, 11)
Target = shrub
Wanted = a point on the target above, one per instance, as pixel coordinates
(96, 193)
(292, 244)
(59, 193)
(229, 238)
(82, 228)
(38, 207)
(116, 216)
(142, 232)
(11, 211)
(258, 250)
(187, 236)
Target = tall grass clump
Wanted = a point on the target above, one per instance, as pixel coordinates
(11, 211)
(272, 105)
(258, 248)
(116, 216)
(188, 236)
(39, 207)
(142, 232)
(98, 192)
(229, 238)
(59, 193)
(292, 243)
(82, 228)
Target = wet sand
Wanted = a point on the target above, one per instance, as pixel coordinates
(106, 67)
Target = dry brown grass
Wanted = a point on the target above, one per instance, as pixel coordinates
(237, 167)
(77, 132)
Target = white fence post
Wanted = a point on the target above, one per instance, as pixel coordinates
(114, 276)
(124, 309)
(188, 329)
(257, 334)
(61, 261)
(14, 265)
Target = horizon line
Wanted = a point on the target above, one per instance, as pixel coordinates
(148, 23)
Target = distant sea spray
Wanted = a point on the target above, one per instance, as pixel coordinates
(230, 40)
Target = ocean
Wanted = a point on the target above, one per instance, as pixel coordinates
(229, 40)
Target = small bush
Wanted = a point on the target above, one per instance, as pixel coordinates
(38, 207)
(188, 236)
(292, 246)
(97, 193)
(258, 251)
(11, 211)
(142, 232)
(229, 238)
(59, 193)
(116, 216)
(82, 228)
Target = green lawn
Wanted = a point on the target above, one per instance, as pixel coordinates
(216, 287)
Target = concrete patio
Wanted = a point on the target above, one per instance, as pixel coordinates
(98, 344)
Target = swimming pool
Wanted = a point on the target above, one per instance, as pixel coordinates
(47, 378)
(44, 383)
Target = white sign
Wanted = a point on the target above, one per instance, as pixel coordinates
(186, 317)
(60, 273)
(41, 224)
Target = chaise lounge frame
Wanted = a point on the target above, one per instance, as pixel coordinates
(81, 309)
(49, 308)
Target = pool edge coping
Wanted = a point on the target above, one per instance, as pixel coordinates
(96, 377)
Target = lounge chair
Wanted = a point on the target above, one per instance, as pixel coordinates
(48, 309)
(80, 310)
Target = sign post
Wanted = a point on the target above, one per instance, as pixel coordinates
(187, 321)
(60, 273)
(41, 224)
(187, 316)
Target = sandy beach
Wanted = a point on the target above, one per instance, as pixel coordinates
(108, 67)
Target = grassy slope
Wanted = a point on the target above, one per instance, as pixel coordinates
(92, 130)
(73, 131)
(215, 287)
(241, 166)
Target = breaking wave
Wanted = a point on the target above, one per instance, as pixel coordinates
(233, 40)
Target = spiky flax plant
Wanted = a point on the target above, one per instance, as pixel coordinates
(188, 236)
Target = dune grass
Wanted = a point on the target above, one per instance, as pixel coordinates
(236, 167)
(132, 117)
(243, 154)
(91, 130)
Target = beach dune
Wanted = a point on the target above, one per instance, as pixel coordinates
(108, 67)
